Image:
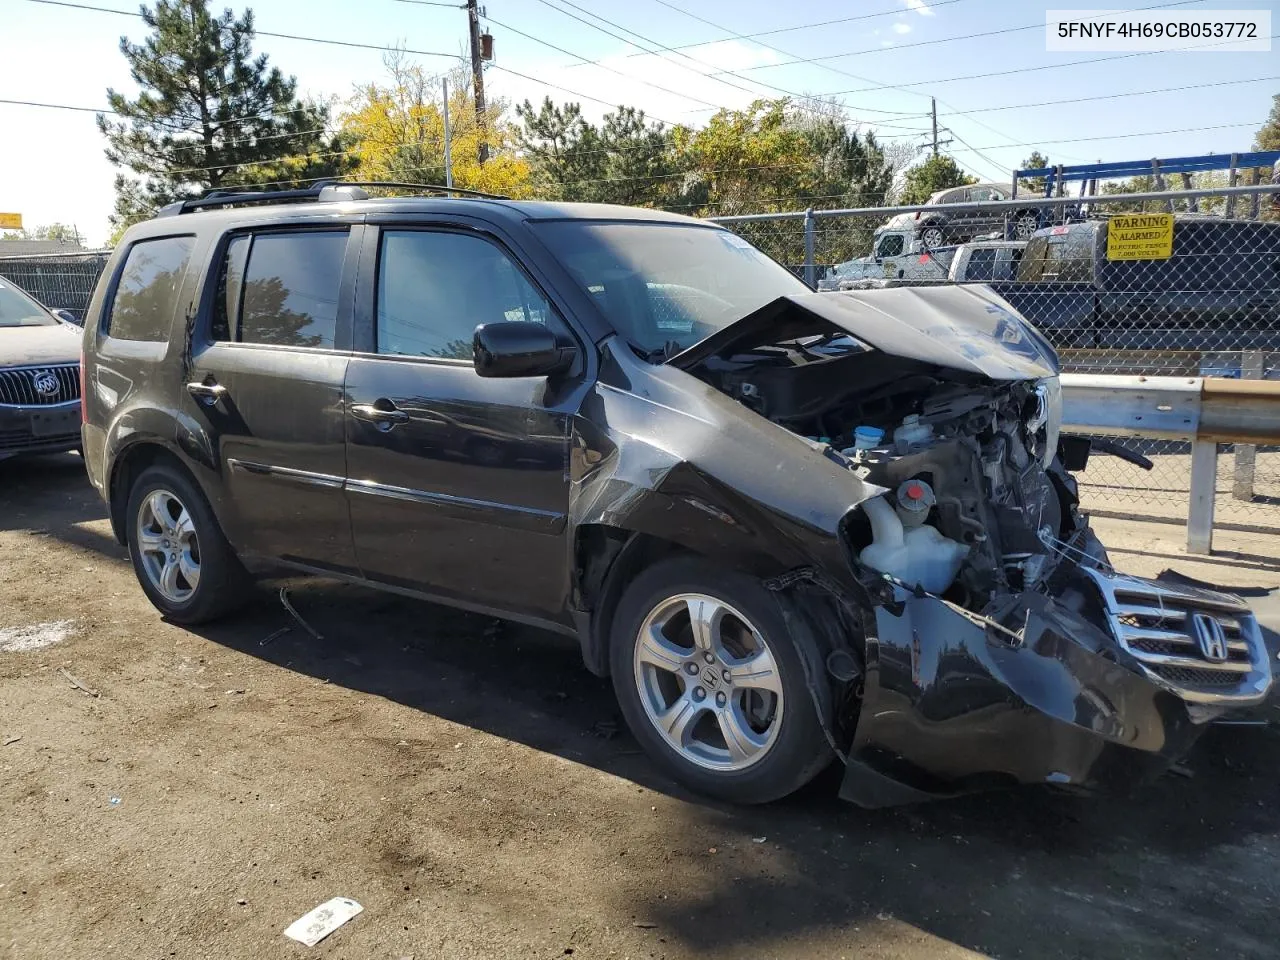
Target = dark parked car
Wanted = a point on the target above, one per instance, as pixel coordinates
(791, 526)
(1220, 289)
(39, 377)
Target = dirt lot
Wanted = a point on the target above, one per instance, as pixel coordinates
(467, 783)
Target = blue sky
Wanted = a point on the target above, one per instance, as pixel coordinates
(883, 66)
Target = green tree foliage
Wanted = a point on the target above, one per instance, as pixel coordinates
(1033, 185)
(927, 178)
(626, 159)
(210, 114)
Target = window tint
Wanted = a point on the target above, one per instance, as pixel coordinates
(890, 246)
(287, 291)
(435, 288)
(147, 294)
(982, 265)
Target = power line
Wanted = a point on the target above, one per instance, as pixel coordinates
(257, 32)
(1044, 66)
(602, 66)
(1107, 96)
(897, 11)
(926, 43)
(1118, 136)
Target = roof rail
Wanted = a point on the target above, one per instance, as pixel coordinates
(425, 187)
(321, 191)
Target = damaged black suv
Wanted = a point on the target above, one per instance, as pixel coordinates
(793, 527)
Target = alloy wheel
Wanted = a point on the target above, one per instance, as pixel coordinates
(168, 546)
(708, 682)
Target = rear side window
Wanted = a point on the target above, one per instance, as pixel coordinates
(281, 289)
(146, 296)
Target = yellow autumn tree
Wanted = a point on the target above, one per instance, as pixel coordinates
(395, 131)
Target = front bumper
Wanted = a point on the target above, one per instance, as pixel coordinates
(41, 428)
(950, 707)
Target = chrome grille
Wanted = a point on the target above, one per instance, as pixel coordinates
(1153, 622)
(18, 385)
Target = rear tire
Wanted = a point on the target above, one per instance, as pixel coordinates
(932, 237)
(711, 684)
(1024, 226)
(185, 565)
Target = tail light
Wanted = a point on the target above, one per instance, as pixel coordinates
(84, 414)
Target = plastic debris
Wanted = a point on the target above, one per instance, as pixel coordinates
(759, 839)
(313, 927)
(114, 801)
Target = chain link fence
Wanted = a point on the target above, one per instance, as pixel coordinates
(1112, 283)
(61, 281)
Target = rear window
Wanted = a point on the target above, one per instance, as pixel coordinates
(1065, 255)
(146, 297)
(280, 289)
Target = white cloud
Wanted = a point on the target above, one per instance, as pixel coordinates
(902, 28)
(919, 6)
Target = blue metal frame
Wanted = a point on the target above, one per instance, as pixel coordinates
(1139, 168)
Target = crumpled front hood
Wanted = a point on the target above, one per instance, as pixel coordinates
(961, 328)
(53, 343)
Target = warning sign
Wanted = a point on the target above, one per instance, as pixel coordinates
(1140, 236)
(10, 221)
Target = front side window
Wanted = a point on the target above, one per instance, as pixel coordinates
(146, 297)
(436, 287)
(280, 289)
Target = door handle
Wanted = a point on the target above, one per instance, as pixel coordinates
(388, 415)
(207, 393)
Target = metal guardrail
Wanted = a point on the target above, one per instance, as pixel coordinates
(1205, 411)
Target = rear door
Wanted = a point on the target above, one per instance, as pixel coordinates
(268, 363)
(458, 484)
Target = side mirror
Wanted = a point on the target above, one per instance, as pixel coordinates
(518, 349)
(66, 316)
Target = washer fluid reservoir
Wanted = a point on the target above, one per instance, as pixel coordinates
(920, 555)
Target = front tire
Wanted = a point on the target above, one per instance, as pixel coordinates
(182, 560)
(711, 684)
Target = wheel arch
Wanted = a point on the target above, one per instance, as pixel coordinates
(129, 464)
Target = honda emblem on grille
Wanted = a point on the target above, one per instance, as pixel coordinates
(46, 384)
(1210, 636)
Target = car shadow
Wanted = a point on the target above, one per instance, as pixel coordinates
(51, 496)
(969, 870)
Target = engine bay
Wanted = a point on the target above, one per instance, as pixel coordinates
(975, 506)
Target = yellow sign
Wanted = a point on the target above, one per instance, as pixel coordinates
(1140, 236)
(10, 221)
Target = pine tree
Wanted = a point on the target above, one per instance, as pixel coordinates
(210, 114)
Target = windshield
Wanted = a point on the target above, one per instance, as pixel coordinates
(665, 286)
(19, 310)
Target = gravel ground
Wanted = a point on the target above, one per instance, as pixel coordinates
(176, 793)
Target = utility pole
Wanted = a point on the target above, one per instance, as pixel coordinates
(448, 139)
(477, 73)
(933, 113)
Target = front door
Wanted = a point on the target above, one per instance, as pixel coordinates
(458, 484)
(267, 371)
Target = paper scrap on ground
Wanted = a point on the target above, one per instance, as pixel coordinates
(35, 636)
(322, 921)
